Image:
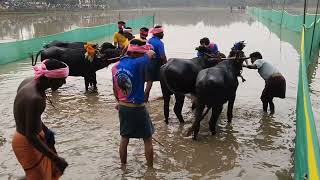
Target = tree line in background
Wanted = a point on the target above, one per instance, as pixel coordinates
(122, 4)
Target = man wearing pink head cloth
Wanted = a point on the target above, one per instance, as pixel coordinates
(128, 77)
(33, 143)
(153, 69)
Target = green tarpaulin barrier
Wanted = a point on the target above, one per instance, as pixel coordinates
(306, 158)
(13, 51)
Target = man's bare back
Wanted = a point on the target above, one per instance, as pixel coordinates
(28, 100)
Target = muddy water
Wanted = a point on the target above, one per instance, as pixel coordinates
(25, 26)
(87, 126)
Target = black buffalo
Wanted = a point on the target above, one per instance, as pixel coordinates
(178, 77)
(78, 64)
(65, 44)
(214, 87)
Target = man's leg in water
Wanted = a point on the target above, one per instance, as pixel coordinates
(123, 149)
(148, 149)
(271, 105)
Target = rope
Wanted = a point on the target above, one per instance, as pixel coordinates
(314, 27)
(50, 102)
(158, 142)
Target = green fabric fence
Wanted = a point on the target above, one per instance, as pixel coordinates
(307, 152)
(13, 51)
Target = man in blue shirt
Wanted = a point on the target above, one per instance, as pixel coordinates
(153, 69)
(128, 83)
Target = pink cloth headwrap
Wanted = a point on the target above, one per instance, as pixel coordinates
(139, 49)
(156, 30)
(41, 70)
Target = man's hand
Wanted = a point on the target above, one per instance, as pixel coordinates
(116, 106)
(146, 97)
(61, 164)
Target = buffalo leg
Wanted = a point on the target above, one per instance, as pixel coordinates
(178, 106)
(194, 102)
(94, 81)
(86, 82)
(216, 111)
(230, 109)
(166, 93)
(166, 103)
(196, 123)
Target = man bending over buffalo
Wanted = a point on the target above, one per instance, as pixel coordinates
(33, 142)
(275, 83)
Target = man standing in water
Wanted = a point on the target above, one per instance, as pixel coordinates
(33, 142)
(153, 69)
(128, 82)
(275, 83)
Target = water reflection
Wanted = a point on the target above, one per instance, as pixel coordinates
(26, 26)
(268, 132)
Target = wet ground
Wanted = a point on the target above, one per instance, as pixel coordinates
(255, 146)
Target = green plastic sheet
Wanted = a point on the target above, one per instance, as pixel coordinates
(18, 50)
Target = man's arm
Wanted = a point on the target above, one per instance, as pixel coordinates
(163, 58)
(252, 66)
(162, 53)
(124, 51)
(151, 55)
(49, 136)
(33, 120)
(147, 91)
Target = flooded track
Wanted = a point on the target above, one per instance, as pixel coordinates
(254, 146)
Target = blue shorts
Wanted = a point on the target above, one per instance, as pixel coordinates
(135, 122)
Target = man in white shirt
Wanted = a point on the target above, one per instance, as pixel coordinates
(275, 83)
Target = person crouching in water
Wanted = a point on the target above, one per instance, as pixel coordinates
(128, 87)
(275, 83)
(211, 48)
(33, 143)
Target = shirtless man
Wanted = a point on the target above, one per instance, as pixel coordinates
(33, 142)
